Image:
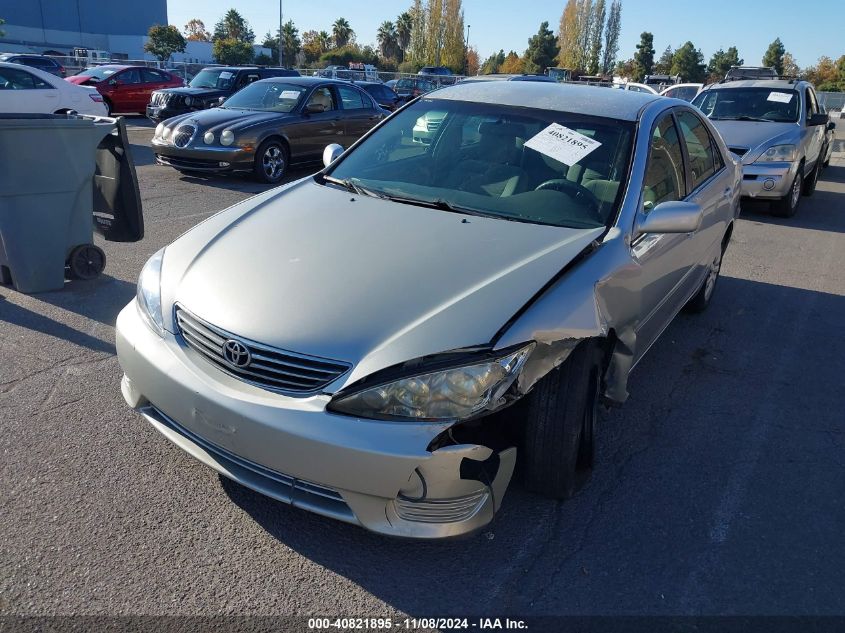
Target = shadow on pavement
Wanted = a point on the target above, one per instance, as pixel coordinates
(243, 182)
(664, 464)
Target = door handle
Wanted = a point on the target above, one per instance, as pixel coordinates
(728, 192)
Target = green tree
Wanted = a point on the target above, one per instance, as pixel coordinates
(454, 44)
(688, 62)
(388, 45)
(774, 56)
(417, 48)
(596, 33)
(644, 57)
(435, 32)
(493, 63)
(721, 63)
(404, 28)
(195, 31)
(342, 32)
(290, 43)
(611, 37)
(232, 52)
(663, 66)
(164, 41)
(542, 50)
(233, 26)
(569, 37)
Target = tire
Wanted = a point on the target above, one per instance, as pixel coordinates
(702, 298)
(109, 106)
(86, 262)
(558, 434)
(788, 205)
(813, 179)
(271, 161)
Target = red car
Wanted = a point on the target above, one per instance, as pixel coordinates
(126, 88)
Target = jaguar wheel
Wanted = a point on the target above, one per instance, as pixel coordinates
(86, 262)
(271, 162)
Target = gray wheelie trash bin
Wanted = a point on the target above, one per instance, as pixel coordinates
(61, 178)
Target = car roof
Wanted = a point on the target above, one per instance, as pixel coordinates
(593, 100)
(778, 84)
(306, 81)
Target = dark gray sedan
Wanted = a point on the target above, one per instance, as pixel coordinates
(268, 126)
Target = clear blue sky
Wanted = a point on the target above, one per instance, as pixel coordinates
(809, 29)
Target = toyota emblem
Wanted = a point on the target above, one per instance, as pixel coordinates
(236, 354)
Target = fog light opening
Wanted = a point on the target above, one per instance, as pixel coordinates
(768, 184)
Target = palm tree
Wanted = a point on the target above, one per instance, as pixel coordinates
(342, 32)
(386, 37)
(404, 27)
(324, 41)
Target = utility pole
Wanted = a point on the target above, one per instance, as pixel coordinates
(281, 47)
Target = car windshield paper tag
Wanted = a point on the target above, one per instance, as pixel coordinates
(225, 75)
(780, 97)
(564, 145)
(289, 94)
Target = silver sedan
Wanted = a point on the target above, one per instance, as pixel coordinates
(380, 342)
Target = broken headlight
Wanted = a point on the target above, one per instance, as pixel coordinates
(448, 394)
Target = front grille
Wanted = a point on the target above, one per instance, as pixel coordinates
(184, 135)
(739, 151)
(160, 98)
(440, 510)
(269, 368)
(432, 125)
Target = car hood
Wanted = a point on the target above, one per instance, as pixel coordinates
(757, 136)
(316, 270)
(236, 120)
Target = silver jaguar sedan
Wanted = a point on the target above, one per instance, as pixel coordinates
(382, 341)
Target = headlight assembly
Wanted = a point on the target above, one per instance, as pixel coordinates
(447, 394)
(208, 137)
(159, 130)
(149, 293)
(227, 137)
(778, 154)
(165, 133)
(189, 101)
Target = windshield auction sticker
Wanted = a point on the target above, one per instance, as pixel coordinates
(564, 145)
(779, 97)
(289, 94)
(225, 75)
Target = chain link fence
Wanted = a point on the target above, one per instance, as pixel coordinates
(832, 100)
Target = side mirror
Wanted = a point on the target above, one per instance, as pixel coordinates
(818, 119)
(314, 108)
(671, 217)
(221, 101)
(115, 82)
(331, 153)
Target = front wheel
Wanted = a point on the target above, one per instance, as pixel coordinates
(271, 162)
(558, 435)
(788, 205)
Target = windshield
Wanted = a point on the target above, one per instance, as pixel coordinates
(270, 96)
(98, 72)
(750, 104)
(219, 79)
(520, 164)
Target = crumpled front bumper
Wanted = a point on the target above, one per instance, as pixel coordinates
(372, 473)
(768, 180)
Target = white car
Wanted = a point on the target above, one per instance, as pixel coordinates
(687, 92)
(33, 91)
(636, 87)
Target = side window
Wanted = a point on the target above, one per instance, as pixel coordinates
(151, 76)
(246, 79)
(322, 99)
(131, 76)
(664, 178)
(351, 98)
(14, 79)
(699, 148)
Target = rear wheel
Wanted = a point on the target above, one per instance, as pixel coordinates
(109, 106)
(558, 434)
(702, 298)
(788, 205)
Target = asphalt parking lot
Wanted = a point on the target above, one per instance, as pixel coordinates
(720, 486)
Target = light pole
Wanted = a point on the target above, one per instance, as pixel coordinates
(281, 53)
(466, 52)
